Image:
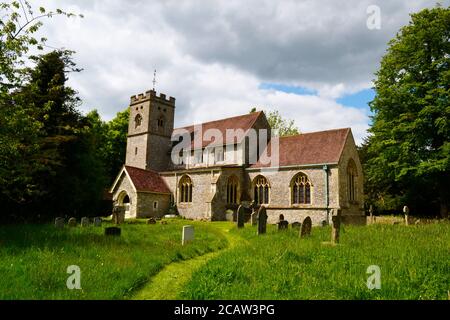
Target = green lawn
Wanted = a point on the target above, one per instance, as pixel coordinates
(414, 263)
(34, 258)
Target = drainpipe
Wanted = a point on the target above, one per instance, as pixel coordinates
(327, 198)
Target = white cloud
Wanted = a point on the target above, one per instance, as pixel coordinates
(212, 56)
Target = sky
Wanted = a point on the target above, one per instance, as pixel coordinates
(314, 61)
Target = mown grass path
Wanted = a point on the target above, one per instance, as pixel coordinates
(169, 282)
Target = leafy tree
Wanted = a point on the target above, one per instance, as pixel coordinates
(408, 152)
(283, 127)
(19, 129)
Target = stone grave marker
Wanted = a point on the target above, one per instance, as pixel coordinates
(188, 235)
(119, 214)
(113, 231)
(262, 220)
(59, 223)
(97, 222)
(372, 220)
(254, 218)
(306, 227)
(151, 221)
(72, 222)
(85, 222)
(406, 212)
(336, 227)
(240, 217)
(296, 225)
(283, 225)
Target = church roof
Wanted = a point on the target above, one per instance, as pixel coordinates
(310, 148)
(147, 180)
(244, 122)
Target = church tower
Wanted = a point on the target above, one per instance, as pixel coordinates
(149, 131)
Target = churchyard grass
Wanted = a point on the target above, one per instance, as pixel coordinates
(414, 262)
(34, 258)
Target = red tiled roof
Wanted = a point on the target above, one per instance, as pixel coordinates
(147, 180)
(310, 148)
(244, 122)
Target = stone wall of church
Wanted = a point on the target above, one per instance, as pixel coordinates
(146, 205)
(352, 212)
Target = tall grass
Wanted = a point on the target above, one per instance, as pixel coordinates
(414, 263)
(34, 258)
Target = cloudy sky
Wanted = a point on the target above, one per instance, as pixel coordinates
(313, 60)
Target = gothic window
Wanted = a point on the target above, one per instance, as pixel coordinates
(301, 189)
(261, 190)
(351, 180)
(161, 123)
(185, 188)
(137, 120)
(232, 190)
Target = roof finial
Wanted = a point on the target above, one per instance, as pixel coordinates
(154, 79)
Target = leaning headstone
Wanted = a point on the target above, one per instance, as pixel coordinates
(112, 231)
(188, 235)
(85, 222)
(72, 222)
(254, 218)
(151, 221)
(283, 225)
(406, 212)
(97, 222)
(59, 223)
(296, 225)
(240, 217)
(306, 227)
(336, 227)
(262, 220)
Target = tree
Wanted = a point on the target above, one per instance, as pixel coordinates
(19, 129)
(408, 151)
(282, 126)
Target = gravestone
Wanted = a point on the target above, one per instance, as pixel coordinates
(406, 212)
(113, 231)
(72, 222)
(119, 214)
(240, 217)
(281, 218)
(372, 220)
(262, 220)
(97, 222)
(59, 223)
(306, 227)
(85, 222)
(336, 227)
(417, 222)
(229, 215)
(323, 223)
(296, 225)
(283, 225)
(254, 218)
(151, 221)
(188, 235)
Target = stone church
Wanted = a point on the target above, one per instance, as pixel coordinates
(315, 172)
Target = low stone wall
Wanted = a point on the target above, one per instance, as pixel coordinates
(297, 215)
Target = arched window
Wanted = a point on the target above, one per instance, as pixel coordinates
(160, 123)
(261, 190)
(137, 120)
(352, 173)
(185, 188)
(301, 189)
(232, 190)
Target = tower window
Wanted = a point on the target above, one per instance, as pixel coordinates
(135, 151)
(137, 120)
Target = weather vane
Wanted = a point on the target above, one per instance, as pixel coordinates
(154, 80)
